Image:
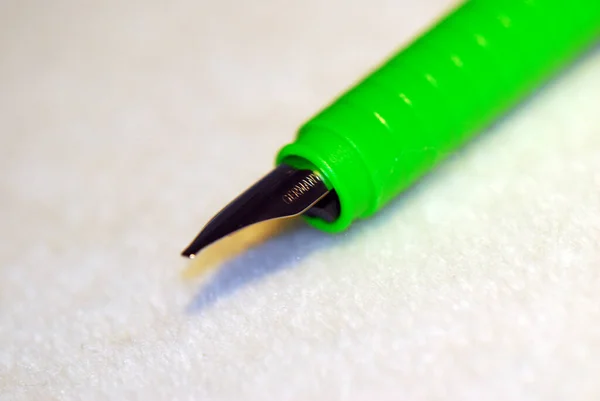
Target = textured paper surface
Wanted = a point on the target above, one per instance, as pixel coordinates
(125, 125)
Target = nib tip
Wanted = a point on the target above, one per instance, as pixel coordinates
(188, 254)
(196, 246)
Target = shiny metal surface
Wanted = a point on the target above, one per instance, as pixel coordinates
(285, 192)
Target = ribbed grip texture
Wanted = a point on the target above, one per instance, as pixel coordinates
(423, 103)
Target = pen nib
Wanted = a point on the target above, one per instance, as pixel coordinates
(285, 192)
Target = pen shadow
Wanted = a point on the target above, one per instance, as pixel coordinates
(285, 245)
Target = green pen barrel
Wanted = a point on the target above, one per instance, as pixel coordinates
(423, 103)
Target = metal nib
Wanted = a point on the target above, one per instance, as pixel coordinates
(285, 192)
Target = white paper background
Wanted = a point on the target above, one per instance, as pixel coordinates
(125, 125)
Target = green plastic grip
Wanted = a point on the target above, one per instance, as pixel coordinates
(426, 101)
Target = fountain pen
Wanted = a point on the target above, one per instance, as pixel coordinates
(420, 105)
